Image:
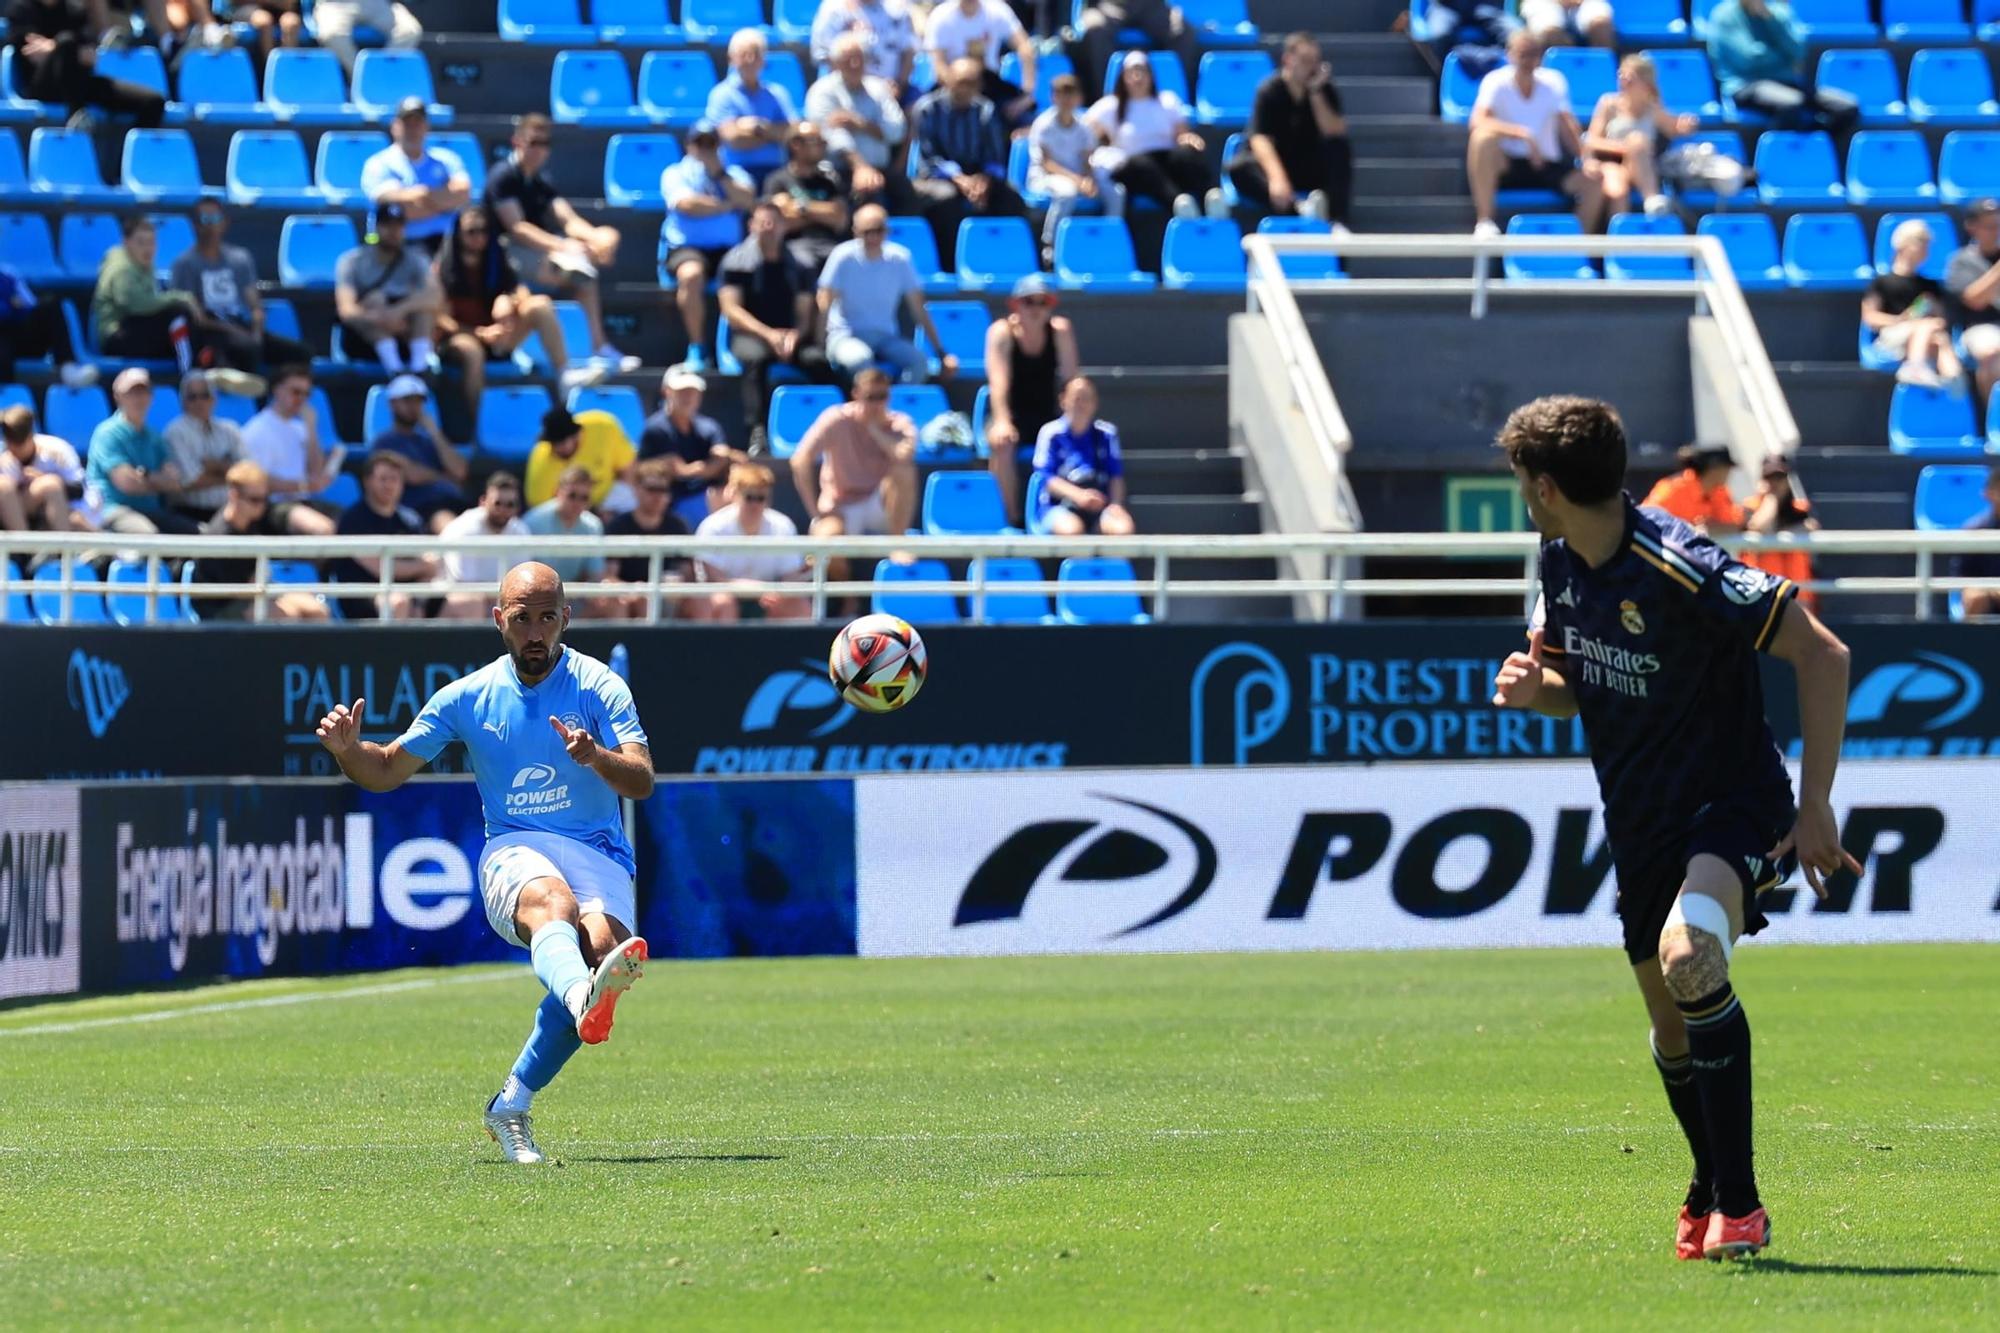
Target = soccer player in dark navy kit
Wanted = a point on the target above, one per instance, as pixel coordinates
(1650, 631)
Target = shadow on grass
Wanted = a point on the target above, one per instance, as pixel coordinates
(660, 1159)
(1775, 1265)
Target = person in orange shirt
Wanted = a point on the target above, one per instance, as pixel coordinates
(1776, 507)
(1699, 492)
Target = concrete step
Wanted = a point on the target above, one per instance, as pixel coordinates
(1371, 53)
(1184, 472)
(1421, 136)
(1387, 178)
(1187, 514)
(1413, 216)
(1371, 16)
(1400, 95)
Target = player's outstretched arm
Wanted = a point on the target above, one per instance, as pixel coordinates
(1525, 681)
(627, 770)
(371, 766)
(1820, 660)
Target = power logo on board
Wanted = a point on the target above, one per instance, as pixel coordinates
(1901, 707)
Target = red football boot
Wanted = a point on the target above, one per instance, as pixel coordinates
(1737, 1237)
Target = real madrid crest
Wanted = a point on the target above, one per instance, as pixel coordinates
(1629, 617)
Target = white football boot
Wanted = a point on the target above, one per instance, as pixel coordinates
(514, 1131)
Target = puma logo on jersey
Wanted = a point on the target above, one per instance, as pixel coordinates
(499, 729)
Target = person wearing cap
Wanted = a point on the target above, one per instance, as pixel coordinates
(387, 299)
(809, 197)
(864, 126)
(753, 117)
(567, 514)
(498, 514)
(592, 441)
(690, 444)
(1030, 354)
(430, 183)
(222, 280)
(983, 31)
(1102, 22)
(856, 468)
(434, 470)
(336, 21)
(959, 147)
(1972, 280)
(866, 285)
(1776, 507)
(706, 205)
(1699, 492)
(284, 439)
(130, 477)
(138, 320)
(524, 207)
(381, 513)
(41, 478)
(767, 297)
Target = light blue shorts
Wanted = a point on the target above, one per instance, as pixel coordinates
(514, 860)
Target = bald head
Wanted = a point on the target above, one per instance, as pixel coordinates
(530, 581)
(531, 618)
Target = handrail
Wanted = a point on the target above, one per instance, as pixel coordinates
(1270, 292)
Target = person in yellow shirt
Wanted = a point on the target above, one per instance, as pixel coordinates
(1699, 493)
(590, 440)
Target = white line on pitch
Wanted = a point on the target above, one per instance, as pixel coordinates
(262, 1002)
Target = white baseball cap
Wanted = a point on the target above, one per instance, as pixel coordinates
(680, 377)
(407, 386)
(131, 377)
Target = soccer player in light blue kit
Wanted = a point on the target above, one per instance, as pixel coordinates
(557, 871)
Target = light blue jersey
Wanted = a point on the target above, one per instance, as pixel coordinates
(527, 781)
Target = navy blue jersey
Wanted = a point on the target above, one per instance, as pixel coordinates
(1659, 646)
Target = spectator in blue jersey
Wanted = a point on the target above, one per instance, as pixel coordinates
(707, 203)
(130, 474)
(433, 470)
(1758, 49)
(430, 183)
(1981, 603)
(866, 285)
(1081, 470)
(961, 155)
(753, 117)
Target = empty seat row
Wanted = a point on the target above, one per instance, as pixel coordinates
(655, 22)
(303, 85)
(1074, 605)
(1901, 20)
(1951, 495)
(1927, 422)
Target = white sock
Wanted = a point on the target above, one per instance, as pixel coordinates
(420, 353)
(387, 353)
(577, 997)
(515, 1096)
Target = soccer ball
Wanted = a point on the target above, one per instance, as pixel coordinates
(877, 663)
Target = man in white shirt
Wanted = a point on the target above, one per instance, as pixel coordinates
(38, 474)
(498, 514)
(883, 27)
(748, 513)
(283, 439)
(864, 126)
(983, 30)
(1525, 137)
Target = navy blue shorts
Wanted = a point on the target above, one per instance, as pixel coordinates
(1733, 831)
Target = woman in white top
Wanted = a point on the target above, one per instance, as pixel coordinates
(1627, 131)
(1149, 150)
(749, 514)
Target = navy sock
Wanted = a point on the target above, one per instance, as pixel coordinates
(1685, 1099)
(1719, 1044)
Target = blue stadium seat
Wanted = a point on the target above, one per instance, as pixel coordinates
(1548, 267)
(1831, 20)
(30, 248)
(343, 492)
(962, 325)
(1647, 268)
(72, 414)
(1653, 21)
(1222, 22)
(510, 420)
(794, 408)
(220, 88)
(1591, 71)
(15, 395)
(1933, 423)
(1925, 21)
(176, 237)
(1868, 75)
(337, 164)
(1169, 75)
(14, 607)
(635, 23)
(547, 22)
(382, 79)
(1687, 85)
(923, 75)
(1098, 608)
(674, 86)
(718, 20)
(1751, 243)
(308, 248)
(1306, 268)
(1226, 85)
(593, 88)
(63, 164)
(1798, 170)
(141, 65)
(1727, 143)
(1872, 357)
(166, 406)
(620, 400)
(1889, 168)
(129, 608)
(1986, 13)
(1944, 239)
(919, 608)
(1951, 84)
(632, 167)
(981, 401)
(1950, 495)
(1969, 166)
(267, 168)
(465, 146)
(1203, 255)
(923, 404)
(14, 108)
(793, 20)
(963, 504)
(1993, 423)
(329, 427)
(1048, 67)
(86, 605)
(308, 86)
(1003, 606)
(915, 235)
(1456, 91)
(159, 167)
(1096, 254)
(83, 238)
(235, 407)
(575, 327)
(783, 70)
(1826, 252)
(13, 168)
(994, 253)
(377, 417)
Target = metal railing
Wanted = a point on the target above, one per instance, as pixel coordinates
(57, 597)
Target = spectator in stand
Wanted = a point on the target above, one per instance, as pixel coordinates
(865, 128)
(1059, 149)
(434, 471)
(33, 326)
(1699, 492)
(1972, 280)
(882, 32)
(1166, 29)
(41, 479)
(809, 197)
(386, 299)
(136, 319)
(592, 443)
(982, 31)
(1628, 130)
(284, 438)
(567, 252)
(653, 483)
(1029, 352)
(1777, 508)
(204, 446)
(753, 117)
(1758, 50)
(130, 477)
(748, 513)
(1476, 31)
(568, 515)
(430, 183)
(866, 282)
(487, 314)
(706, 205)
(228, 313)
(381, 513)
(1570, 22)
(1296, 157)
(246, 511)
(278, 23)
(498, 514)
(1525, 138)
(691, 445)
(55, 58)
(337, 20)
(961, 149)
(1082, 471)
(767, 297)
(856, 468)
(1149, 150)
(1981, 603)
(1907, 312)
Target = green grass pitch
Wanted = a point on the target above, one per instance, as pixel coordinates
(1364, 1141)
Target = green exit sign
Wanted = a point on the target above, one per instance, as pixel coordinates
(1483, 504)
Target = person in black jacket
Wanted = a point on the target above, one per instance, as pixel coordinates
(56, 60)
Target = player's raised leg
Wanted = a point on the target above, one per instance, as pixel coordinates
(1668, 1040)
(620, 960)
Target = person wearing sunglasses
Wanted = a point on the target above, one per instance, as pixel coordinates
(866, 284)
(498, 514)
(748, 513)
(568, 515)
(41, 479)
(222, 280)
(204, 447)
(767, 297)
(856, 468)
(1030, 351)
(653, 516)
(246, 512)
(382, 513)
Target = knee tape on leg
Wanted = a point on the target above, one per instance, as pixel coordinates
(1701, 912)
